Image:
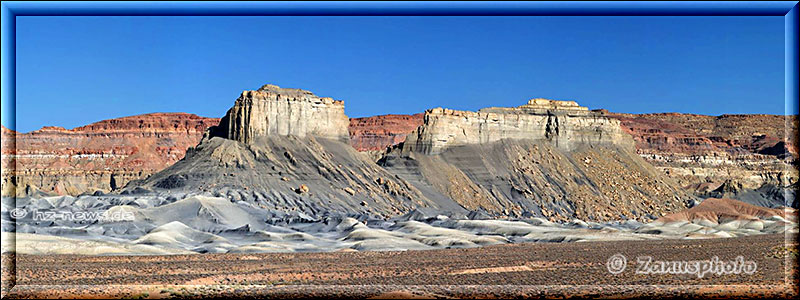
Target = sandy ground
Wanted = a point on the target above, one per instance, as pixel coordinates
(511, 270)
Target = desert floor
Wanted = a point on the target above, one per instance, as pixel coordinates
(549, 270)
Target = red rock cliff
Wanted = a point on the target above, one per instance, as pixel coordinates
(378, 132)
(704, 151)
(100, 156)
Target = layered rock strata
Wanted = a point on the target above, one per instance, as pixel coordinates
(275, 111)
(563, 123)
(751, 152)
(286, 150)
(546, 158)
(378, 132)
(101, 156)
(756, 154)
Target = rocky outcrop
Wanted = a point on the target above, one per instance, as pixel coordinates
(758, 152)
(703, 152)
(563, 123)
(548, 158)
(378, 132)
(287, 150)
(101, 156)
(692, 134)
(275, 111)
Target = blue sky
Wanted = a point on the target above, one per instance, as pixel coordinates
(73, 71)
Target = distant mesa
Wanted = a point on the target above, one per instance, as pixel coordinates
(102, 156)
(541, 102)
(540, 105)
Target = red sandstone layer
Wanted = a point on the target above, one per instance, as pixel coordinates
(99, 156)
(378, 132)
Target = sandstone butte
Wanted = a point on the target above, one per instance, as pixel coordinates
(699, 151)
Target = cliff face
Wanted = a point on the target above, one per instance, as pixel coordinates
(101, 156)
(547, 158)
(703, 152)
(698, 134)
(287, 150)
(563, 123)
(378, 132)
(275, 111)
(700, 152)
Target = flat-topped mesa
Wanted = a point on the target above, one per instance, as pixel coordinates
(542, 102)
(275, 111)
(563, 123)
(542, 106)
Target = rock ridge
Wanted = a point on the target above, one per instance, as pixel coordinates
(103, 156)
(563, 123)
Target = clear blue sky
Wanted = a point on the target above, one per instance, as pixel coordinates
(73, 71)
